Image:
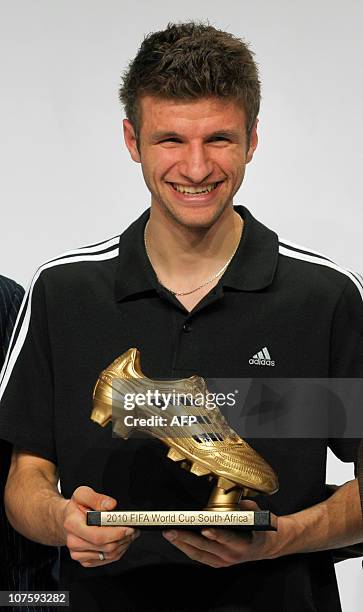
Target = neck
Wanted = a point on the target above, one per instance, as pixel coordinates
(184, 256)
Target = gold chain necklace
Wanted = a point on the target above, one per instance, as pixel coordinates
(211, 279)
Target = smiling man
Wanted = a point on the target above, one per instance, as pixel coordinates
(192, 174)
(200, 287)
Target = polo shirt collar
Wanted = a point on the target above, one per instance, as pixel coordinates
(135, 273)
(252, 268)
(254, 264)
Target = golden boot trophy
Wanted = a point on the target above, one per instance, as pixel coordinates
(197, 436)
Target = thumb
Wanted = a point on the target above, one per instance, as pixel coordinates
(248, 504)
(90, 499)
(107, 503)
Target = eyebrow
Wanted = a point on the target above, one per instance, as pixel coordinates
(229, 134)
(160, 135)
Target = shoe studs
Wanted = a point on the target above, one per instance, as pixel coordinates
(199, 470)
(194, 467)
(175, 455)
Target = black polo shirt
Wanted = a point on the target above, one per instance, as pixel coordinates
(89, 306)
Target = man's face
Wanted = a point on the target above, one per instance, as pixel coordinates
(193, 156)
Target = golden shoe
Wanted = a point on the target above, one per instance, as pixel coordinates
(207, 445)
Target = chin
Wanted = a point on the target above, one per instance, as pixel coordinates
(195, 220)
(196, 217)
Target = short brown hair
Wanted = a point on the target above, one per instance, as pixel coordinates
(187, 61)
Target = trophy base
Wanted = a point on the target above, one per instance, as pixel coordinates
(245, 520)
(223, 511)
(227, 496)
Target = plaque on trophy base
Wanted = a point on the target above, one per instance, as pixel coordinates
(195, 520)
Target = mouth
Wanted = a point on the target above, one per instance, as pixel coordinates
(191, 190)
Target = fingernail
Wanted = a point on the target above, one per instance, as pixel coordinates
(169, 535)
(128, 532)
(208, 534)
(107, 504)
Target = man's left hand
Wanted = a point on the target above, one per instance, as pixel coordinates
(225, 547)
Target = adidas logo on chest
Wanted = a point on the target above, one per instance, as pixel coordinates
(262, 358)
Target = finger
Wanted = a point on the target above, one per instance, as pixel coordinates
(75, 525)
(248, 504)
(210, 549)
(202, 549)
(193, 539)
(92, 555)
(78, 544)
(203, 556)
(97, 563)
(228, 537)
(90, 499)
(94, 563)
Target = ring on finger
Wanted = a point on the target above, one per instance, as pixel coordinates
(101, 556)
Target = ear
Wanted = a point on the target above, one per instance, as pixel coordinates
(253, 142)
(130, 140)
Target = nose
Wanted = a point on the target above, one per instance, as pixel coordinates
(196, 165)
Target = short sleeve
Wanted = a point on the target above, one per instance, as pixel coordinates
(26, 387)
(346, 353)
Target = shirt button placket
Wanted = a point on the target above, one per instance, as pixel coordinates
(187, 327)
(185, 350)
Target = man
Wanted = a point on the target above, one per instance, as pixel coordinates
(11, 295)
(360, 472)
(25, 564)
(199, 286)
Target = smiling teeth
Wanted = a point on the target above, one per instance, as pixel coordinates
(192, 190)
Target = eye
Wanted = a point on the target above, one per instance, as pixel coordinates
(219, 139)
(170, 140)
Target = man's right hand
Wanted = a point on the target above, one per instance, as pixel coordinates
(85, 542)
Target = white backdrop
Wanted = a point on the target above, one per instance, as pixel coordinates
(67, 181)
